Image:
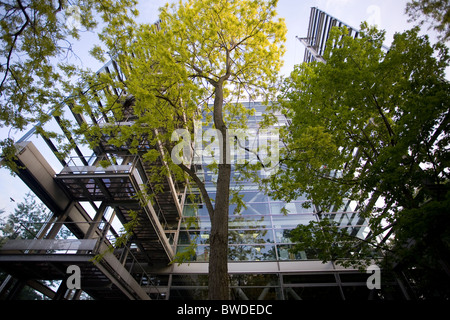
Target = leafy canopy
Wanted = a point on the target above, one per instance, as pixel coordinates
(367, 125)
(199, 60)
(37, 60)
(27, 220)
(439, 12)
(174, 69)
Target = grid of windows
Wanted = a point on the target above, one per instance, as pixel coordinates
(320, 24)
(293, 286)
(261, 230)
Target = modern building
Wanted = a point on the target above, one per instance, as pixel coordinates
(94, 192)
(320, 25)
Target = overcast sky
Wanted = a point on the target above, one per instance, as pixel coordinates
(387, 14)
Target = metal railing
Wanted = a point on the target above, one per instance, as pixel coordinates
(50, 246)
(144, 279)
(102, 164)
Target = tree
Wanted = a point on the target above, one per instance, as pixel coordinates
(193, 65)
(437, 10)
(28, 218)
(371, 125)
(37, 61)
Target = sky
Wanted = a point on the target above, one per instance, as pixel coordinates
(386, 14)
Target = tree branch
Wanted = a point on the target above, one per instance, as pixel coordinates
(16, 36)
(60, 5)
(202, 188)
(228, 67)
(385, 120)
(200, 74)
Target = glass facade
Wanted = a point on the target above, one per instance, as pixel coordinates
(261, 264)
(261, 230)
(293, 286)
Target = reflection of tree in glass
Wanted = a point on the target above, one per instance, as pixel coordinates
(247, 230)
(253, 234)
(290, 252)
(247, 237)
(189, 237)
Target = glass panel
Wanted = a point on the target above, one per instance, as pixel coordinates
(242, 280)
(203, 211)
(249, 222)
(254, 197)
(195, 223)
(212, 195)
(202, 253)
(292, 208)
(190, 211)
(284, 253)
(252, 253)
(193, 198)
(292, 221)
(190, 280)
(188, 237)
(283, 235)
(250, 236)
(300, 198)
(195, 210)
(252, 208)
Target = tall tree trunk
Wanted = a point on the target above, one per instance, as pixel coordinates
(218, 283)
(218, 260)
